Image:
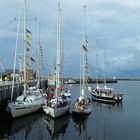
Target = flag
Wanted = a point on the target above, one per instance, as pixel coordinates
(27, 44)
(41, 56)
(27, 31)
(86, 41)
(85, 48)
(20, 57)
(32, 59)
(28, 36)
(28, 49)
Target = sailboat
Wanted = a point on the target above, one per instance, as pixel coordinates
(57, 102)
(83, 104)
(32, 99)
(104, 94)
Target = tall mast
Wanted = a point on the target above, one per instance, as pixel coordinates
(25, 47)
(83, 52)
(84, 6)
(39, 64)
(83, 56)
(51, 58)
(97, 62)
(39, 56)
(15, 55)
(105, 64)
(58, 51)
(62, 59)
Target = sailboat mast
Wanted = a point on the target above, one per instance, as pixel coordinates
(15, 55)
(83, 52)
(105, 64)
(25, 48)
(58, 51)
(62, 66)
(51, 58)
(39, 56)
(84, 6)
(97, 62)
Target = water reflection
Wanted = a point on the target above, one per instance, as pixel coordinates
(57, 127)
(18, 128)
(107, 105)
(80, 125)
(5, 121)
(105, 116)
(23, 125)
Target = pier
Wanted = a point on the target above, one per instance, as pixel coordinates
(6, 86)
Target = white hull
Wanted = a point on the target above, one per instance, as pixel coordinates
(20, 110)
(31, 104)
(56, 112)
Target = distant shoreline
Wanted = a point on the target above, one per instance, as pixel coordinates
(101, 80)
(129, 79)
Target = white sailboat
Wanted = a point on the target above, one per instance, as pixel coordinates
(58, 103)
(83, 104)
(32, 99)
(104, 94)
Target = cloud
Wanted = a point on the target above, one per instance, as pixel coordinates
(116, 19)
(122, 61)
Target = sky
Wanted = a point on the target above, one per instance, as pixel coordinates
(116, 20)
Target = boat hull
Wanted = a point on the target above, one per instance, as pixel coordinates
(56, 112)
(20, 110)
(30, 104)
(82, 111)
(105, 99)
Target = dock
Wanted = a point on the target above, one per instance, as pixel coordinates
(6, 86)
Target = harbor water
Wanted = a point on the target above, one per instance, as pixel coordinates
(106, 122)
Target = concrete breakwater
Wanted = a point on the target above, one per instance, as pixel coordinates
(91, 80)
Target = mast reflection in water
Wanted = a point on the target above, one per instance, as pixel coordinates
(106, 121)
(19, 128)
(80, 125)
(57, 127)
(103, 120)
